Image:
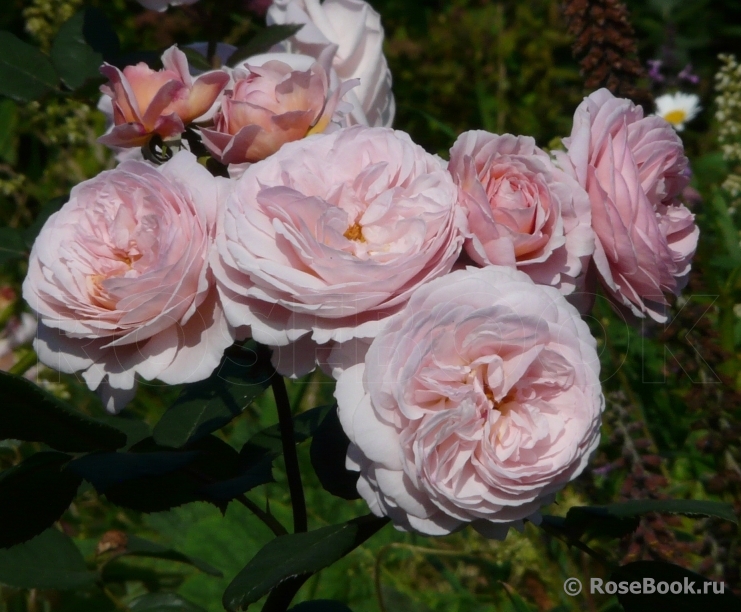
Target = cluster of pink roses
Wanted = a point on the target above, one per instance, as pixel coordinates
(436, 293)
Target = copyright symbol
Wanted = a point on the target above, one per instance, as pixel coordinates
(572, 586)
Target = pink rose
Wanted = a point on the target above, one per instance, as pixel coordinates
(522, 210)
(272, 104)
(475, 404)
(633, 169)
(356, 29)
(120, 281)
(331, 234)
(148, 102)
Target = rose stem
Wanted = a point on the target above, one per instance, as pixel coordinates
(273, 524)
(285, 422)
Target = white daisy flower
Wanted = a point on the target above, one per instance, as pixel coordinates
(678, 108)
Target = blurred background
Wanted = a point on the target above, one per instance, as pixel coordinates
(673, 422)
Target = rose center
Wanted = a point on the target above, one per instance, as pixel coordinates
(355, 232)
(675, 117)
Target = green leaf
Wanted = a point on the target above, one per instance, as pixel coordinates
(268, 442)
(11, 245)
(135, 429)
(8, 123)
(209, 405)
(98, 32)
(617, 520)
(328, 453)
(139, 547)
(25, 72)
(47, 210)
(41, 490)
(49, 561)
(75, 60)
(105, 470)
(252, 476)
(321, 605)
(688, 507)
(163, 602)
(32, 414)
(263, 41)
(151, 478)
(669, 573)
(296, 554)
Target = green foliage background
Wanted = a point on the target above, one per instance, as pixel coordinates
(673, 424)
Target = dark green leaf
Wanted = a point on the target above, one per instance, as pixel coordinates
(296, 554)
(321, 605)
(8, 137)
(100, 35)
(253, 476)
(657, 571)
(41, 490)
(75, 60)
(206, 406)
(11, 244)
(196, 60)
(140, 547)
(49, 561)
(328, 453)
(31, 414)
(151, 478)
(25, 72)
(163, 602)
(47, 210)
(105, 470)
(594, 522)
(263, 41)
(688, 507)
(268, 443)
(135, 429)
(617, 520)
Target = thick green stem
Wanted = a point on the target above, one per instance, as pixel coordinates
(293, 473)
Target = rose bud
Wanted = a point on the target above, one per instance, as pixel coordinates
(148, 102)
(272, 104)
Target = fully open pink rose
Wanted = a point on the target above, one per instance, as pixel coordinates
(120, 280)
(356, 28)
(331, 234)
(475, 404)
(522, 210)
(272, 104)
(633, 169)
(148, 102)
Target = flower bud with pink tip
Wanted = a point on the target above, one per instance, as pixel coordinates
(148, 102)
(275, 103)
